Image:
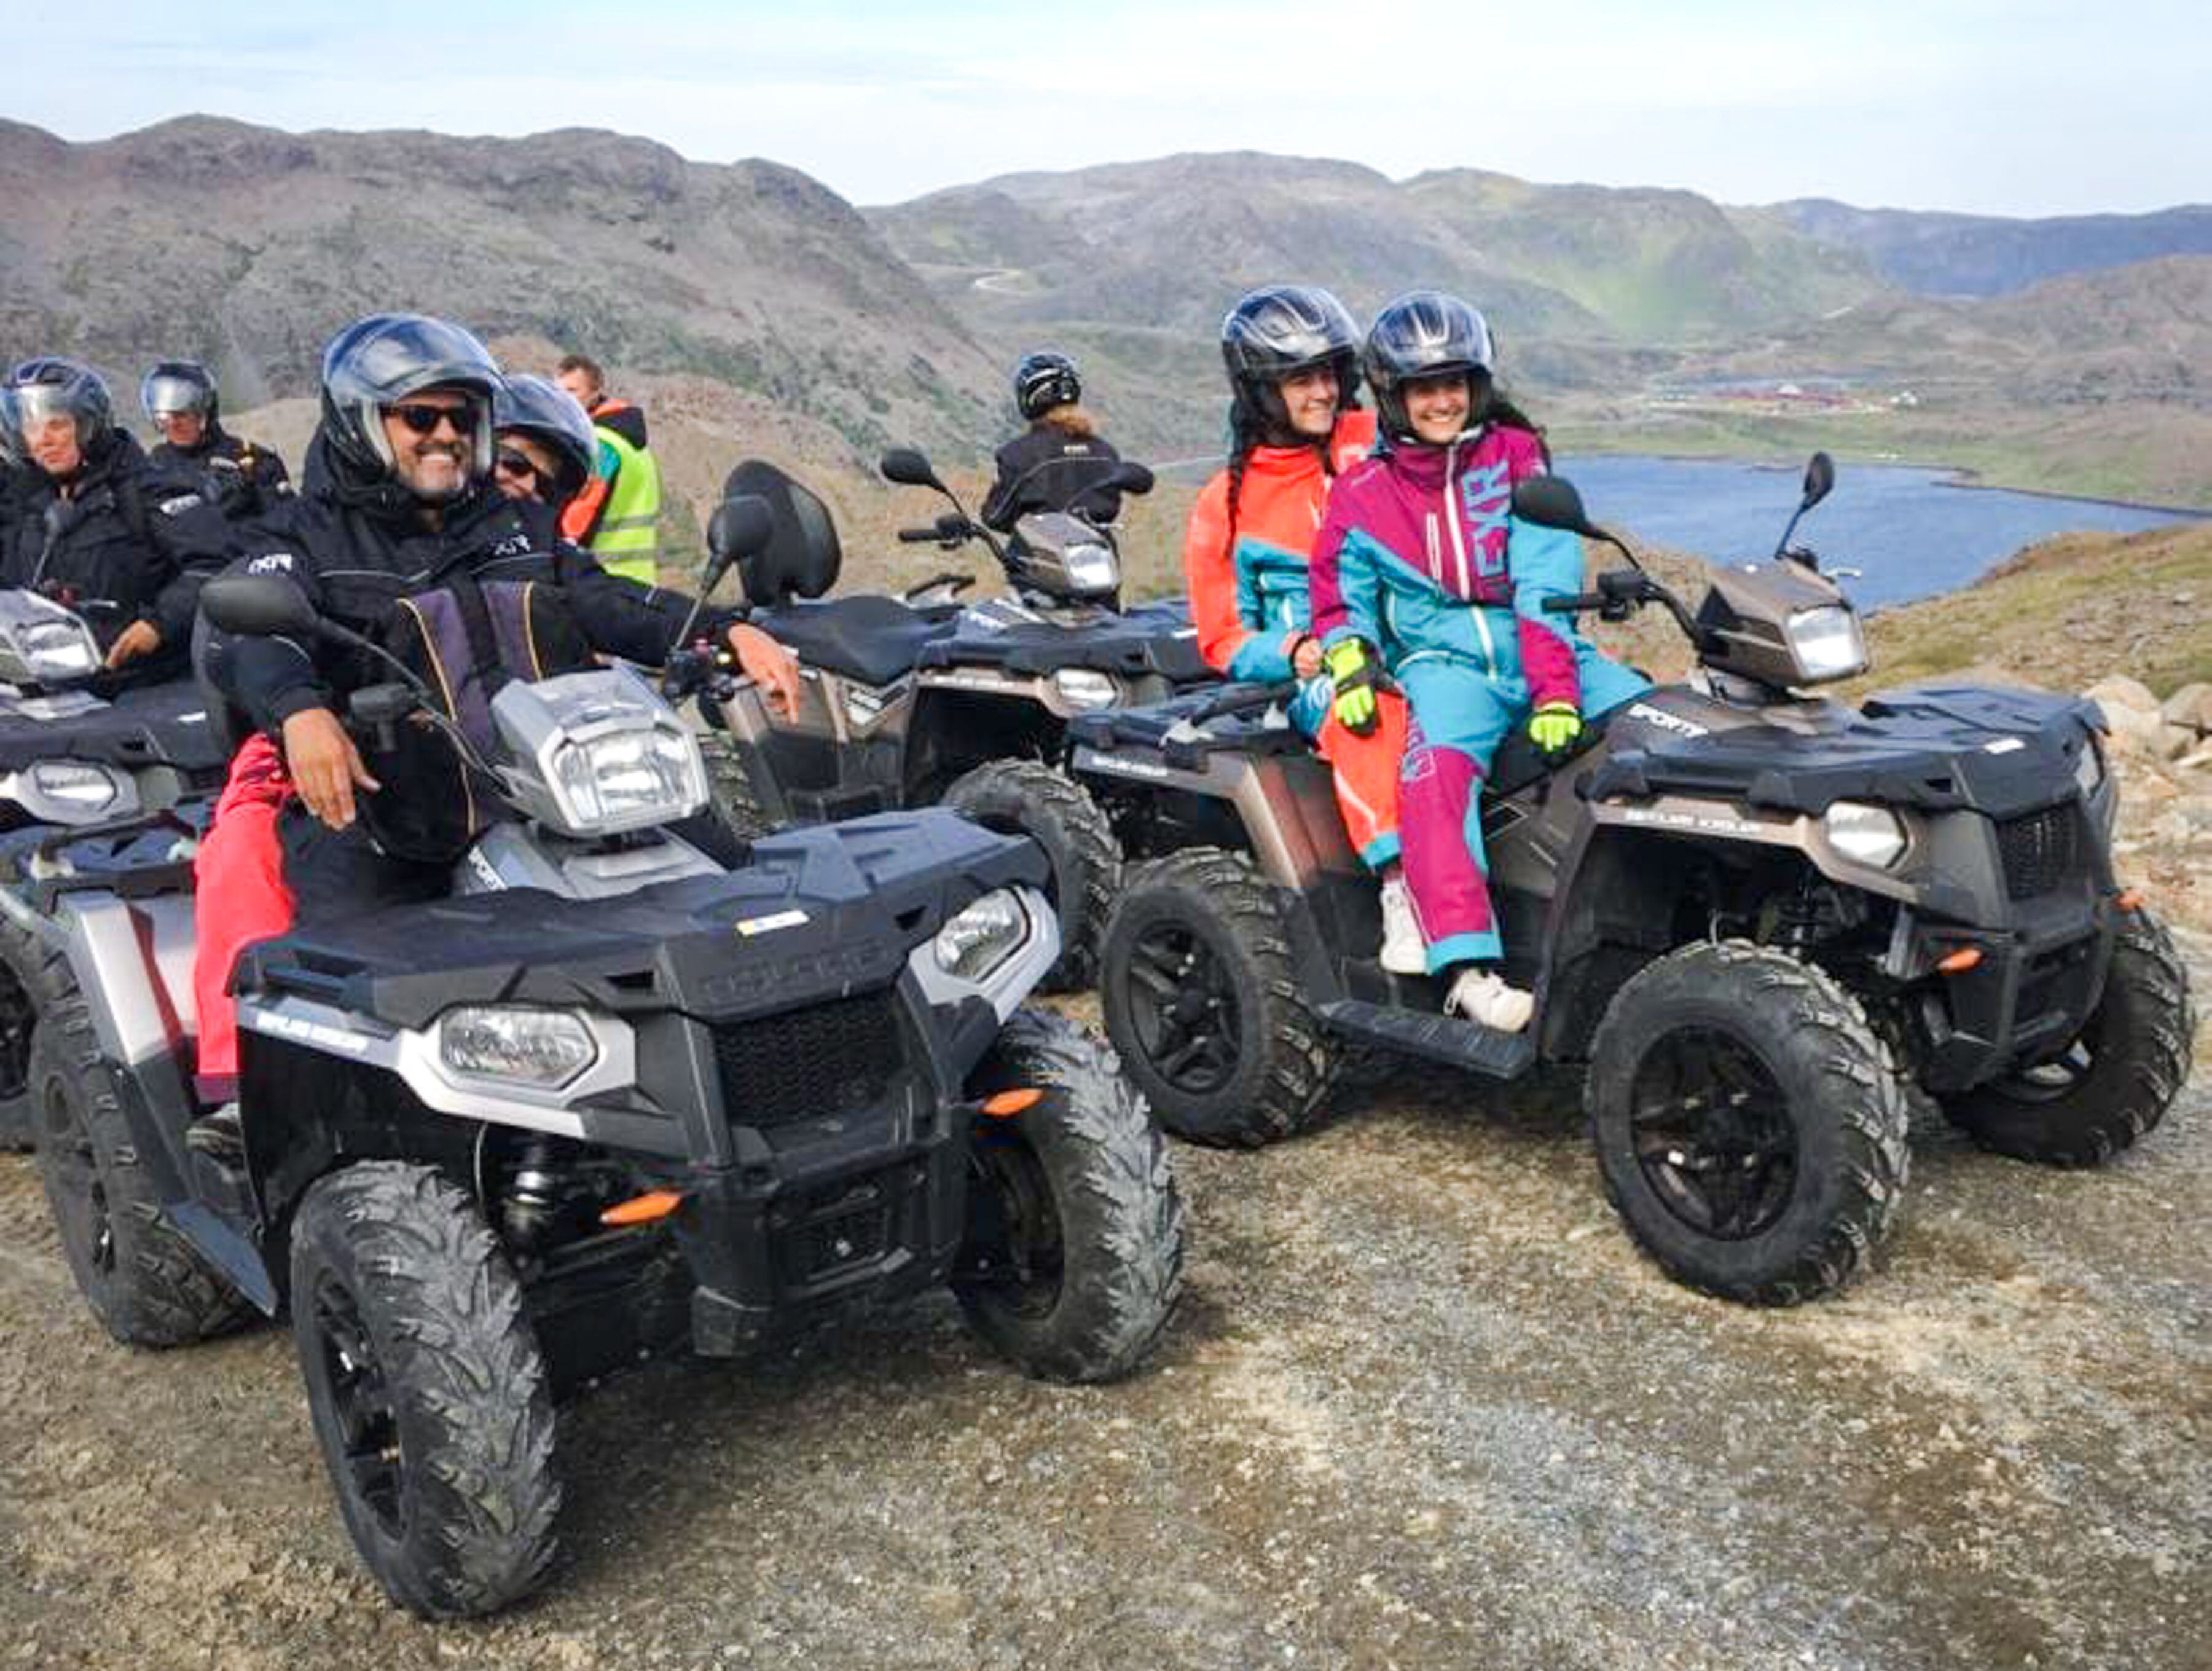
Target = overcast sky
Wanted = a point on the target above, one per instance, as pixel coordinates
(1997, 107)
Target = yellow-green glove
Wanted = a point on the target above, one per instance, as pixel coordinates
(1352, 675)
(1554, 727)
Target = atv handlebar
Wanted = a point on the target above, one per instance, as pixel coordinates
(1622, 590)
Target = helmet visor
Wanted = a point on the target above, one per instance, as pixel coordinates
(165, 396)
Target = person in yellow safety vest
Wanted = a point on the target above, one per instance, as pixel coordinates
(617, 518)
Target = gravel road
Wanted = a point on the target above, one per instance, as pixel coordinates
(1424, 1407)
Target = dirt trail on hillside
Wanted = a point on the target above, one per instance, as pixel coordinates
(1424, 1406)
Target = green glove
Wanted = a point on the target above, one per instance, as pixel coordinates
(1351, 673)
(1554, 727)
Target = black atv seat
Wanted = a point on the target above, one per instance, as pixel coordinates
(874, 640)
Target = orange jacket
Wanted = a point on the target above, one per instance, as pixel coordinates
(1279, 511)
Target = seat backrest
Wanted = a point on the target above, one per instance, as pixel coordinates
(802, 557)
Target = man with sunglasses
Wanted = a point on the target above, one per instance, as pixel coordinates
(399, 534)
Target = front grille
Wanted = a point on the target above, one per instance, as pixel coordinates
(2041, 852)
(827, 1057)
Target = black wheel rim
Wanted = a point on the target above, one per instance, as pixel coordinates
(1711, 1128)
(16, 1020)
(1029, 1262)
(87, 1227)
(1182, 1004)
(371, 1466)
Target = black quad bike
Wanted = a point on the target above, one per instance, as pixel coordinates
(1761, 919)
(918, 700)
(606, 1098)
(76, 749)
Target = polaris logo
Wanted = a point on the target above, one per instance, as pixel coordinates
(1666, 722)
(1128, 768)
(750, 927)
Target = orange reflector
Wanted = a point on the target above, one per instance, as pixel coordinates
(643, 1209)
(2130, 899)
(1960, 960)
(1008, 1103)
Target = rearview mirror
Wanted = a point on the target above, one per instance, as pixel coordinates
(1131, 479)
(1819, 477)
(258, 606)
(906, 467)
(738, 528)
(1551, 502)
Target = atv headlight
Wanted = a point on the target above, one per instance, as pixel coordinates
(75, 784)
(1865, 834)
(52, 651)
(548, 1048)
(1083, 687)
(1827, 643)
(626, 779)
(982, 937)
(1092, 567)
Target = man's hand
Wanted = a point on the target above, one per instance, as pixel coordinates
(1353, 672)
(325, 765)
(1554, 727)
(769, 666)
(140, 638)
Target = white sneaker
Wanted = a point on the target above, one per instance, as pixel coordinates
(1403, 953)
(1481, 996)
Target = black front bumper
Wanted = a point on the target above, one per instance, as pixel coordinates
(2035, 986)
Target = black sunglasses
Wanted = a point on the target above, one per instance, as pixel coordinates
(423, 420)
(509, 462)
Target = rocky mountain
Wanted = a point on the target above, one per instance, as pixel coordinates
(1132, 263)
(248, 247)
(1982, 255)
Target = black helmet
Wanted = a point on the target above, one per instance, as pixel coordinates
(50, 385)
(11, 436)
(546, 411)
(1277, 331)
(1426, 333)
(374, 362)
(179, 386)
(1044, 380)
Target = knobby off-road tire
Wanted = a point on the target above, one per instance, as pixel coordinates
(428, 1389)
(1029, 797)
(1201, 999)
(2121, 1075)
(1082, 1264)
(730, 793)
(30, 972)
(1748, 1123)
(147, 1284)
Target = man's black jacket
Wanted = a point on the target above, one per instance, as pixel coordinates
(239, 477)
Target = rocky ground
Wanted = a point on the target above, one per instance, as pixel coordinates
(1424, 1406)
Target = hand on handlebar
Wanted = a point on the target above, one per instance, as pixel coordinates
(324, 766)
(140, 638)
(1553, 727)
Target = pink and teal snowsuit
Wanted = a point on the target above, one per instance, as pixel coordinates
(1419, 554)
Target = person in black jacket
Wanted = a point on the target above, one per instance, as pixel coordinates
(398, 534)
(94, 527)
(240, 479)
(1060, 462)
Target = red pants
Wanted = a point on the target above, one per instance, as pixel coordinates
(239, 897)
(1366, 772)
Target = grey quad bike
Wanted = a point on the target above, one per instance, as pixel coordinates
(1760, 922)
(608, 1099)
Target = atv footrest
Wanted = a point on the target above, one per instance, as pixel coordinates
(1436, 1038)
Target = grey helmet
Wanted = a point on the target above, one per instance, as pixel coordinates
(378, 362)
(1278, 330)
(51, 384)
(1426, 333)
(179, 386)
(543, 409)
